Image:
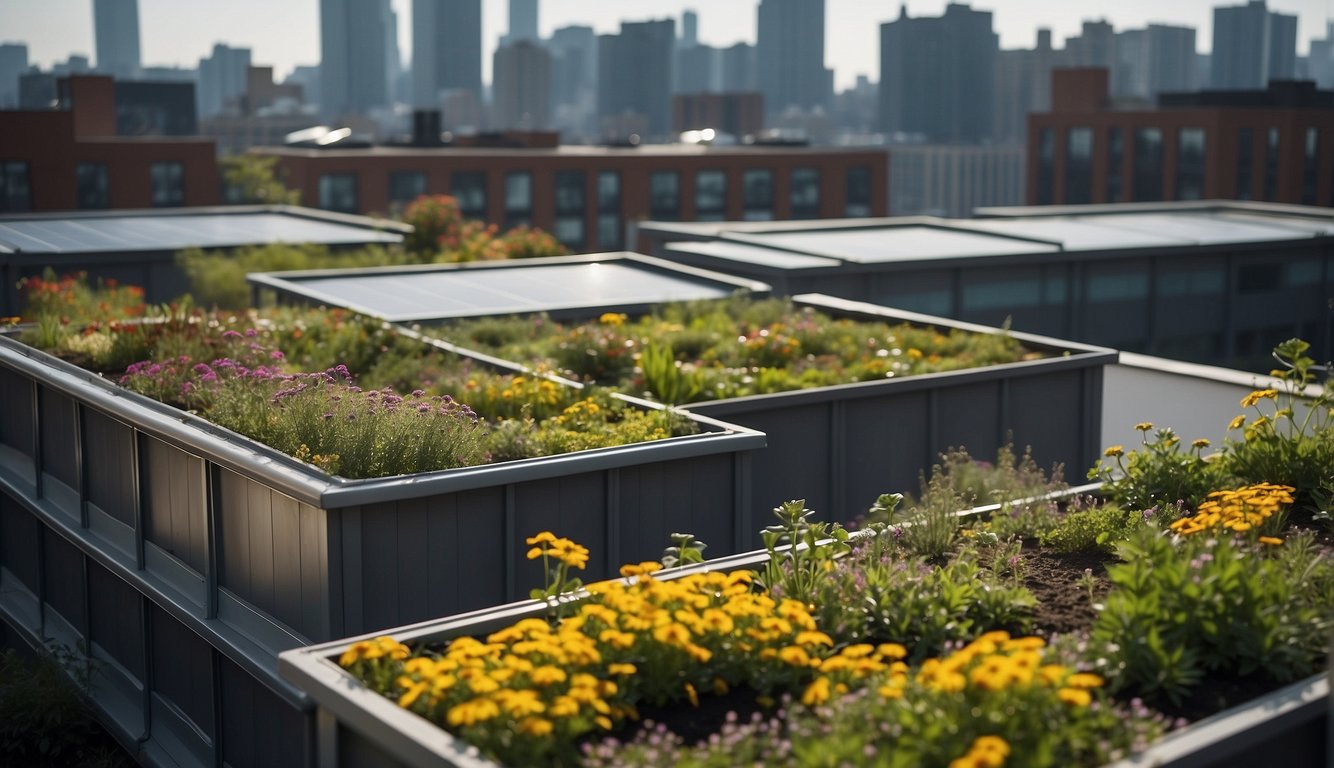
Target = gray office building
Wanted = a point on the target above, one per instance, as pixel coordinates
(353, 36)
(523, 21)
(635, 77)
(13, 62)
(1252, 45)
(446, 49)
(116, 36)
(222, 80)
(789, 55)
(937, 75)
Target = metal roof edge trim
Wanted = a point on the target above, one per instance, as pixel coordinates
(1216, 205)
(1209, 372)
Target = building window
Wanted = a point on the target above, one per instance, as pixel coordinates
(804, 195)
(338, 192)
(1190, 164)
(93, 188)
(168, 184)
(609, 210)
(1147, 184)
(710, 196)
(1271, 165)
(404, 187)
(859, 193)
(664, 195)
(15, 187)
(1116, 155)
(1079, 165)
(758, 188)
(1046, 166)
(570, 207)
(518, 199)
(1245, 163)
(1309, 167)
(469, 189)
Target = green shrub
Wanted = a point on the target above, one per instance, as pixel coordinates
(217, 278)
(1090, 527)
(44, 720)
(1161, 473)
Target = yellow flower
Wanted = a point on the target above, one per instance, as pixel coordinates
(1237, 422)
(814, 638)
(1258, 395)
(692, 694)
(1144, 426)
(1199, 443)
(613, 319)
(992, 744)
(621, 669)
(472, 712)
(1074, 696)
(535, 726)
(892, 650)
(1270, 540)
(794, 655)
(1084, 680)
(1114, 451)
(545, 537)
(816, 693)
(548, 675)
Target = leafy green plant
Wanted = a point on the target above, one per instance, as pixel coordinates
(930, 527)
(1096, 527)
(664, 376)
(685, 550)
(217, 278)
(1161, 473)
(796, 565)
(1181, 608)
(1290, 441)
(253, 180)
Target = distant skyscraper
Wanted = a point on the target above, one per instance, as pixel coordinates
(352, 56)
(635, 76)
(1157, 59)
(698, 69)
(1252, 46)
(521, 87)
(1095, 46)
(689, 29)
(1022, 86)
(13, 62)
(222, 79)
(446, 49)
(944, 98)
(116, 36)
(739, 68)
(574, 79)
(789, 55)
(1320, 64)
(523, 21)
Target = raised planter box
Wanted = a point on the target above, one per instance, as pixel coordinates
(185, 557)
(838, 447)
(360, 728)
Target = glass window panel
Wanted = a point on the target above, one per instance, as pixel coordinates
(93, 187)
(1046, 166)
(1118, 287)
(664, 195)
(1201, 282)
(1190, 164)
(1271, 164)
(804, 194)
(1148, 178)
(338, 192)
(404, 187)
(609, 191)
(758, 194)
(569, 231)
(469, 189)
(1245, 162)
(1310, 166)
(1115, 159)
(609, 231)
(710, 195)
(570, 193)
(1079, 165)
(168, 184)
(858, 193)
(1002, 294)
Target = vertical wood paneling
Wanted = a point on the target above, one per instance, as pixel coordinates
(685, 496)
(795, 463)
(379, 540)
(175, 503)
(315, 593)
(1046, 412)
(19, 542)
(114, 621)
(108, 458)
(285, 544)
(62, 568)
(258, 728)
(59, 437)
(233, 519)
(182, 670)
(259, 513)
(16, 411)
(885, 447)
(968, 417)
(477, 536)
(574, 507)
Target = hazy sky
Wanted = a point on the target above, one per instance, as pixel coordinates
(285, 33)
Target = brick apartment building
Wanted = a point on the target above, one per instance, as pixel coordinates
(586, 196)
(72, 158)
(1275, 145)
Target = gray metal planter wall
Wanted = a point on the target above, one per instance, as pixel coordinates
(840, 447)
(185, 557)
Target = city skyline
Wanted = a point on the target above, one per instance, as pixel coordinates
(180, 32)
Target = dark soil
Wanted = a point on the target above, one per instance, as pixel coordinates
(1063, 602)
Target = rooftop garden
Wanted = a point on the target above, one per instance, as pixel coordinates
(1055, 630)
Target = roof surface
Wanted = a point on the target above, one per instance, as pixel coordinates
(444, 292)
(144, 231)
(911, 243)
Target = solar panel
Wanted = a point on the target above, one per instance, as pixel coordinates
(886, 244)
(170, 233)
(751, 254)
(440, 293)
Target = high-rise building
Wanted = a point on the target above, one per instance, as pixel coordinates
(574, 77)
(937, 75)
(523, 21)
(222, 80)
(353, 34)
(789, 55)
(635, 78)
(1095, 46)
(738, 68)
(698, 69)
(446, 49)
(1157, 59)
(521, 87)
(13, 62)
(1022, 86)
(1320, 63)
(116, 36)
(953, 180)
(689, 29)
(1252, 45)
